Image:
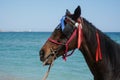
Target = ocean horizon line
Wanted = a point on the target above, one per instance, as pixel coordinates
(52, 31)
(25, 31)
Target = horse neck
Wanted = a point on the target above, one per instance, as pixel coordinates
(88, 49)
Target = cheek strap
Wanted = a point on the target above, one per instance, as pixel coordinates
(79, 35)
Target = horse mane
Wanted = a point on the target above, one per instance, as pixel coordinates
(102, 34)
(110, 49)
(94, 28)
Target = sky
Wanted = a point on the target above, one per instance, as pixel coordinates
(45, 15)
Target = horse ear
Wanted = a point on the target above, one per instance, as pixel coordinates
(77, 13)
(68, 12)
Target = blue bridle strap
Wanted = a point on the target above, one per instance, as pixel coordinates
(62, 23)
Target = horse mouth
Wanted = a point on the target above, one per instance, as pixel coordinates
(49, 60)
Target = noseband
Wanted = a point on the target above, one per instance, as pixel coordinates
(77, 29)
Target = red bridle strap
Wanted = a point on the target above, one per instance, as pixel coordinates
(54, 41)
(98, 50)
(67, 43)
(79, 35)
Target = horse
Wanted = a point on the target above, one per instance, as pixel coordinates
(101, 53)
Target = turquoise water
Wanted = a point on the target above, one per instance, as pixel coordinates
(19, 59)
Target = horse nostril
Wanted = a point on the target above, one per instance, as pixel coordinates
(41, 53)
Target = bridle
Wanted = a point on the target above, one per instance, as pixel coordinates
(77, 29)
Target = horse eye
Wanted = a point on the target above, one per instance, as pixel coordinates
(68, 29)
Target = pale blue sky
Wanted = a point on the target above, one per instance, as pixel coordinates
(44, 15)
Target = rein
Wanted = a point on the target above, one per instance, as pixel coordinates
(52, 57)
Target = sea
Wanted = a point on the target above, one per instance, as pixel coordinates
(19, 58)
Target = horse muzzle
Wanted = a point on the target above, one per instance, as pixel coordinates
(49, 59)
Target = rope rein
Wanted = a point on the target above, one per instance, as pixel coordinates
(47, 73)
(52, 57)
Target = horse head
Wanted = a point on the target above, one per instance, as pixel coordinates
(59, 42)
